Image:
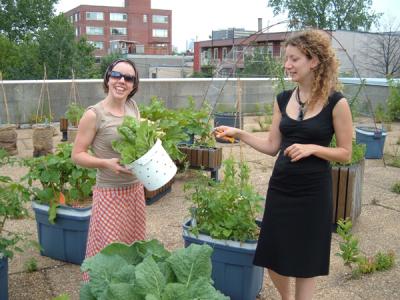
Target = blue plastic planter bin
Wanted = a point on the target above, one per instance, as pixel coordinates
(66, 239)
(4, 278)
(233, 271)
(373, 138)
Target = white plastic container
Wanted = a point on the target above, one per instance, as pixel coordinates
(155, 168)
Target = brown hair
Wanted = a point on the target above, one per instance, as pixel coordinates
(111, 67)
(316, 43)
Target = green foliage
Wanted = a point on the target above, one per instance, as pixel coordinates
(265, 120)
(225, 209)
(105, 61)
(196, 121)
(396, 188)
(22, 19)
(146, 270)
(381, 115)
(62, 297)
(357, 153)
(30, 265)
(136, 138)
(74, 113)
(58, 174)
(384, 261)
(13, 196)
(393, 101)
(260, 63)
(349, 250)
(350, 253)
(327, 14)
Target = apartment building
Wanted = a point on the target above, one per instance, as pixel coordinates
(135, 28)
(227, 55)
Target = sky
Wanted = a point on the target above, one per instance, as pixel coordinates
(195, 19)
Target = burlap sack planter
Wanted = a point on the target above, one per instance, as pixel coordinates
(42, 139)
(8, 138)
(72, 132)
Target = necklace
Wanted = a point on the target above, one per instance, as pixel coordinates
(302, 106)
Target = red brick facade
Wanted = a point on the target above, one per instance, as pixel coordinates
(151, 37)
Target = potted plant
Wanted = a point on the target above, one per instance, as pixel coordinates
(145, 149)
(224, 216)
(200, 150)
(62, 204)
(13, 196)
(73, 114)
(347, 183)
(146, 270)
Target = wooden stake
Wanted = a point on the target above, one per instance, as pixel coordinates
(5, 98)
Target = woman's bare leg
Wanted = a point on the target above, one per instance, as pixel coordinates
(282, 284)
(305, 288)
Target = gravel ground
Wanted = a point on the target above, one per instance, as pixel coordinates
(377, 228)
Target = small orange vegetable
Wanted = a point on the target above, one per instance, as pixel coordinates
(226, 138)
(62, 199)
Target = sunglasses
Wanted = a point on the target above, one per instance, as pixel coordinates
(118, 75)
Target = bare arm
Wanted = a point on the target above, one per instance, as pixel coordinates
(269, 145)
(343, 127)
(83, 140)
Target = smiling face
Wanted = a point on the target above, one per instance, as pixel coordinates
(119, 87)
(298, 66)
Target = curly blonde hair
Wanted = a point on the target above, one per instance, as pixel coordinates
(316, 43)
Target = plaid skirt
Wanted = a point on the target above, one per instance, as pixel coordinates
(118, 215)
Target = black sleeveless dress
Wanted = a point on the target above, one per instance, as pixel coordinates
(295, 237)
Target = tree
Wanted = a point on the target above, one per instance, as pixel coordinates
(327, 14)
(260, 63)
(383, 51)
(59, 50)
(22, 18)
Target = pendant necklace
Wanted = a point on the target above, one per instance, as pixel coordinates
(302, 106)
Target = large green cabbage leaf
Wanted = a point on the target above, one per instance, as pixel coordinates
(145, 270)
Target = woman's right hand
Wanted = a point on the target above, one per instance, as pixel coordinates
(226, 133)
(114, 165)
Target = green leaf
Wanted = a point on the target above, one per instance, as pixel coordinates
(101, 270)
(149, 278)
(191, 263)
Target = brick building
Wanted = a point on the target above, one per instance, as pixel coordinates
(135, 28)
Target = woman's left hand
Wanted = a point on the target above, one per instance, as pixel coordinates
(299, 151)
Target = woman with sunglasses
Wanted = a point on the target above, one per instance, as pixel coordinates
(295, 235)
(118, 212)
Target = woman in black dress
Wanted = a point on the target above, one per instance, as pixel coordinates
(295, 236)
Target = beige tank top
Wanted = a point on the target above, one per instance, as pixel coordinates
(106, 132)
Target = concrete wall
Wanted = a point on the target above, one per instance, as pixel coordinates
(23, 96)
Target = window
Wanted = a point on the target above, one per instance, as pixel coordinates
(118, 17)
(160, 33)
(224, 53)
(215, 53)
(118, 31)
(71, 18)
(160, 19)
(94, 16)
(144, 18)
(97, 45)
(76, 31)
(76, 16)
(94, 30)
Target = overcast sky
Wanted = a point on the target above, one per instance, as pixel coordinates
(195, 19)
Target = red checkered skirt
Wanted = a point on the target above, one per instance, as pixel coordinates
(118, 215)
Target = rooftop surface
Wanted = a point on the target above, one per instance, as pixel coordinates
(378, 229)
